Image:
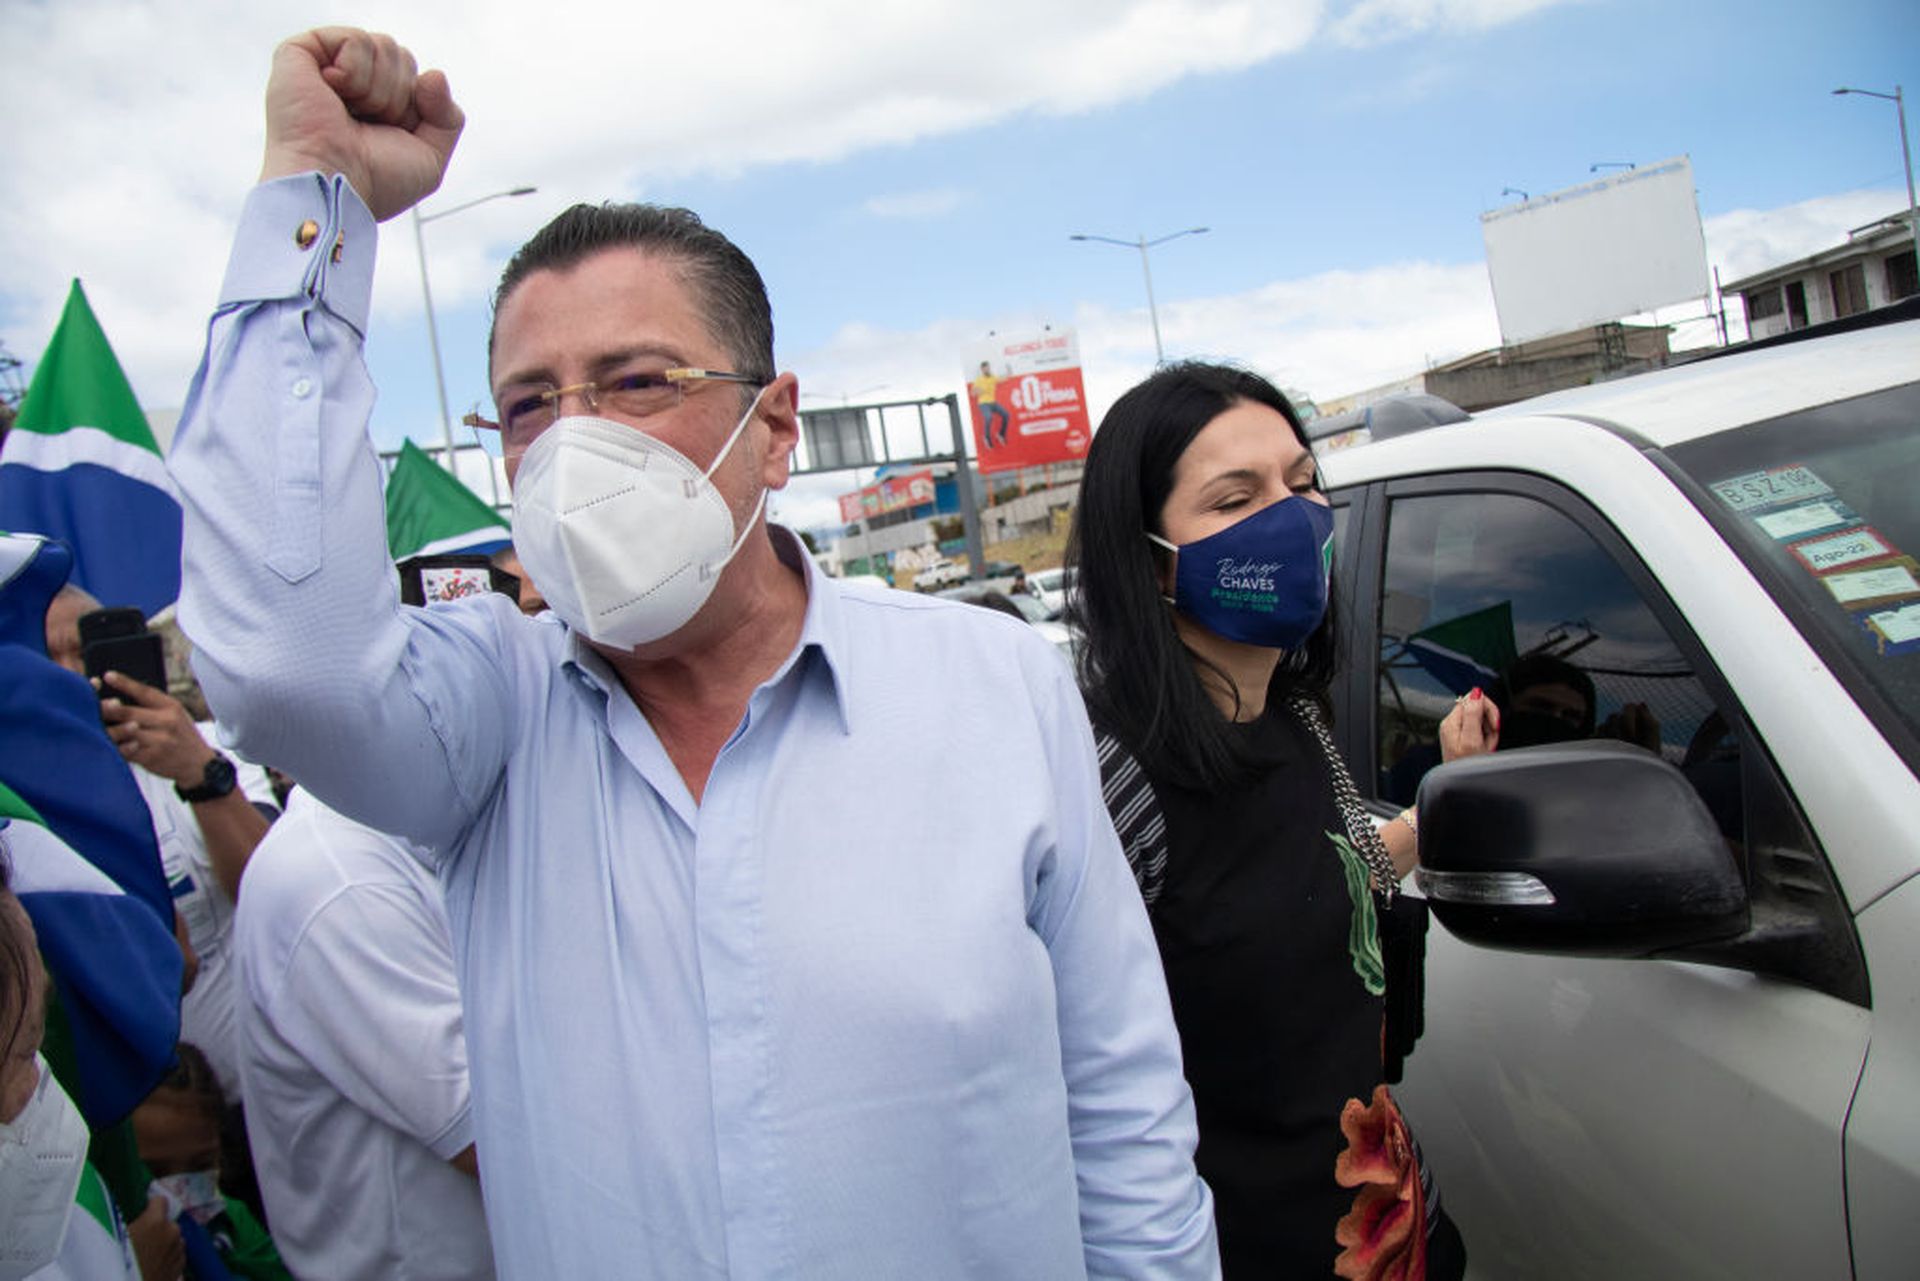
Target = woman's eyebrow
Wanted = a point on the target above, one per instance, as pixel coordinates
(1236, 475)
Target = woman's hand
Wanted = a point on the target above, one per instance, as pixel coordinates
(1471, 728)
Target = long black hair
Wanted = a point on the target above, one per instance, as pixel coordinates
(1139, 680)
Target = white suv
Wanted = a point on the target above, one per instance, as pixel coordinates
(1672, 1014)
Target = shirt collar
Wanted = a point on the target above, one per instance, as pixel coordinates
(822, 629)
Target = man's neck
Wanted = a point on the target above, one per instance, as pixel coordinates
(695, 695)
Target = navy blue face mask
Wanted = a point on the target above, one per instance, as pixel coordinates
(1262, 580)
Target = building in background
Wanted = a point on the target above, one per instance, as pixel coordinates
(1502, 375)
(1875, 267)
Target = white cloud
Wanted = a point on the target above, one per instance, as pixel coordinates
(931, 203)
(1327, 334)
(1369, 22)
(1743, 241)
(137, 126)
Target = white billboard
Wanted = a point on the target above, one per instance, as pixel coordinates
(1623, 245)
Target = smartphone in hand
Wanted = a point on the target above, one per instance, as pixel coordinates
(117, 640)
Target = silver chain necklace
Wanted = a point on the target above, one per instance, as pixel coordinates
(1361, 829)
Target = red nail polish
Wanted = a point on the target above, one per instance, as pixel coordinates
(1476, 693)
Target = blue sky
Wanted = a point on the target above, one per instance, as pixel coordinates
(908, 180)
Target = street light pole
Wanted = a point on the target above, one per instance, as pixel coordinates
(1899, 102)
(433, 331)
(1142, 244)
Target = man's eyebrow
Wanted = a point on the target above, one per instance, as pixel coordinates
(598, 365)
(626, 355)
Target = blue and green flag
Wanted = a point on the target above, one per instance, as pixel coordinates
(80, 464)
(431, 513)
(81, 845)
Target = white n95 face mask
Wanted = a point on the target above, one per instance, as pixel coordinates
(43, 1152)
(625, 536)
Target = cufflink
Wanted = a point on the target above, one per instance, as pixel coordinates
(308, 233)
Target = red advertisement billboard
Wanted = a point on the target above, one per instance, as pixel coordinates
(888, 493)
(1028, 404)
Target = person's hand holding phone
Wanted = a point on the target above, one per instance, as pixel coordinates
(153, 730)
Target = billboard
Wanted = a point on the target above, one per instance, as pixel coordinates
(837, 438)
(1628, 243)
(887, 494)
(1028, 404)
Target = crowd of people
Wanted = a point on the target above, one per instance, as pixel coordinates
(563, 956)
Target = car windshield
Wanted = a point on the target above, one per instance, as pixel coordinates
(1825, 506)
(1034, 611)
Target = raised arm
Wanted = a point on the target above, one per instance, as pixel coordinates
(393, 716)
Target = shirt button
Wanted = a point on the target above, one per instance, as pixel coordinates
(308, 233)
(302, 388)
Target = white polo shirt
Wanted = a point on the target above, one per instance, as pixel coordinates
(352, 1060)
(207, 1012)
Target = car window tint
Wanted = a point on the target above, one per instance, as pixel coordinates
(1505, 593)
(1824, 506)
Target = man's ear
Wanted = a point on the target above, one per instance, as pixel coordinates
(780, 411)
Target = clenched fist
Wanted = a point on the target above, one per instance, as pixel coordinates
(353, 102)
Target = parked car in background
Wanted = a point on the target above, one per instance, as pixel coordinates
(1050, 588)
(942, 573)
(1672, 1021)
(1024, 606)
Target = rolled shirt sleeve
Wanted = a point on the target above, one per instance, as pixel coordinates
(306, 655)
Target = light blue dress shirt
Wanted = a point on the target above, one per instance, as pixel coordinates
(884, 1004)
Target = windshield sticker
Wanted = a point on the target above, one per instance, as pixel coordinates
(1835, 550)
(1759, 490)
(1865, 588)
(1896, 631)
(1808, 518)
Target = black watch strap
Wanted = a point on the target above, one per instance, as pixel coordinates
(218, 779)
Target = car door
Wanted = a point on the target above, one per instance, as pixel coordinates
(1597, 1117)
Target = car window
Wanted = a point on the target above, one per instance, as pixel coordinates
(1030, 609)
(1824, 506)
(1508, 594)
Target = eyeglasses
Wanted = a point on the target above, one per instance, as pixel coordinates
(527, 410)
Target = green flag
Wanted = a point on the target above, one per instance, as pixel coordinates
(1469, 650)
(430, 512)
(80, 464)
(79, 383)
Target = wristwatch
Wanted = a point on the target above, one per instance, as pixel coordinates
(217, 781)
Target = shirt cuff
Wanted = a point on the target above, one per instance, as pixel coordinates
(455, 1139)
(304, 236)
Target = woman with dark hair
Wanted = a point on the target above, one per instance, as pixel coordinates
(1204, 546)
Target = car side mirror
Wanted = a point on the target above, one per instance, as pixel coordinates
(1594, 848)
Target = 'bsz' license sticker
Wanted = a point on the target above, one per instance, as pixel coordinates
(1881, 585)
(1759, 490)
(1833, 551)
